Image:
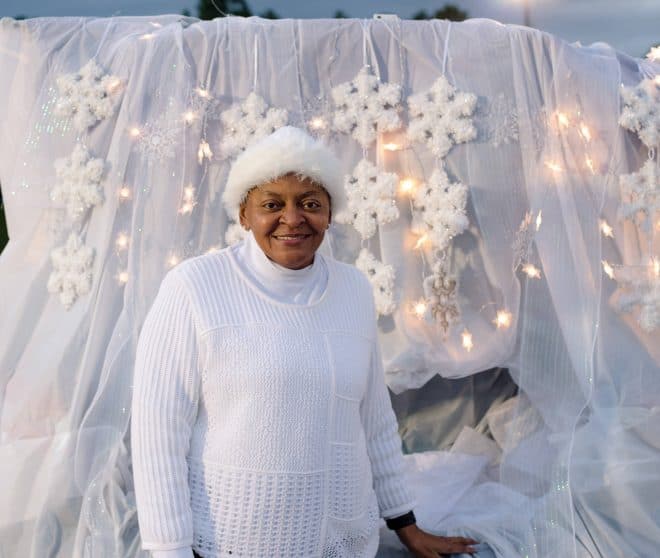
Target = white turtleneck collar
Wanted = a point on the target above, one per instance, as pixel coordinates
(292, 286)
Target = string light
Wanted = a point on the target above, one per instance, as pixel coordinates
(585, 132)
(135, 132)
(563, 120)
(539, 219)
(213, 250)
(173, 260)
(407, 186)
(419, 308)
(189, 200)
(122, 277)
(420, 242)
(124, 193)
(590, 164)
(203, 93)
(204, 151)
(606, 229)
(114, 84)
(655, 264)
(156, 24)
(657, 80)
(317, 123)
(122, 241)
(391, 146)
(553, 166)
(503, 319)
(466, 338)
(189, 116)
(608, 269)
(532, 271)
(147, 36)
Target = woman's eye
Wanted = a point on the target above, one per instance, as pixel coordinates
(311, 204)
(270, 205)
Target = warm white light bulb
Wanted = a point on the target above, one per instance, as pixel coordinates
(122, 241)
(147, 36)
(189, 116)
(134, 132)
(466, 338)
(503, 319)
(532, 271)
(186, 208)
(655, 266)
(203, 93)
(317, 123)
(555, 167)
(189, 193)
(608, 269)
(590, 164)
(563, 120)
(420, 241)
(585, 132)
(123, 277)
(419, 308)
(124, 193)
(173, 260)
(391, 146)
(407, 186)
(204, 151)
(606, 229)
(539, 219)
(213, 249)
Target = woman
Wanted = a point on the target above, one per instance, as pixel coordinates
(261, 422)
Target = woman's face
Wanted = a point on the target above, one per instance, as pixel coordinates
(288, 218)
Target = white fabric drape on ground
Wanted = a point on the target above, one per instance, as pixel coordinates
(572, 464)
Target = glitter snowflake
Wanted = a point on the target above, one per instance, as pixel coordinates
(317, 115)
(79, 182)
(72, 270)
(158, 138)
(203, 106)
(364, 107)
(641, 191)
(440, 290)
(234, 234)
(87, 96)
(370, 199)
(440, 117)
(439, 209)
(500, 121)
(641, 111)
(639, 289)
(248, 121)
(381, 277)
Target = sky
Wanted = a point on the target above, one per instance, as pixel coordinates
(631, 26)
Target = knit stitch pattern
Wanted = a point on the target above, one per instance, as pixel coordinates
(262, 428)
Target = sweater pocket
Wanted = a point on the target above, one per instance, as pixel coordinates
(350, 481)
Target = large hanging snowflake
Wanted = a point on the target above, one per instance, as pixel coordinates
(381, 277)
(500, 121)
(158, 138)
(248, 121)
(79, 182)
(641, 192)
(439, 209)
(441, 296)
(440, 117)
(641, 111)
(370, 199)
(87, 96)
(641, 290)
(72, 270)
(364, 107)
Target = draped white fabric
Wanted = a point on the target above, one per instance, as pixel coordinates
(572, 464)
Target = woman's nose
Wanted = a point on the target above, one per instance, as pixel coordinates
(292, 216)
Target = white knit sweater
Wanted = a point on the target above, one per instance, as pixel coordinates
(261, 428)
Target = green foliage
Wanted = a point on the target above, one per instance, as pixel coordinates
(449, 11)
(340, 14)
(269, 14)
(186, 12)
(210, 9)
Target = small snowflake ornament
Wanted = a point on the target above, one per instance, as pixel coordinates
(641, 111)
(370, 199)
(234, 234)
(157, 139)
(641, 193)
(365, 107)
(441, 296)
(381, 277)
(439, 209)
(78, 182)
(72, 270)
(440, 117)
(247, 122)
(87, 96)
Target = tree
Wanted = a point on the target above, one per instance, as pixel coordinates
(185, 12)
(210, 9)
(340, 14)
(269, 14)
(449, 11)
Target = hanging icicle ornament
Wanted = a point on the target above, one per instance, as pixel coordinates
(234, 234)
(439, 209)
(641, 111)
(381, 277)
(72, 270)
(87, 96)
(249, 121)
(365, 107)
(441, 117)
(641, 193)
(370, 199)
(78, 184)
(440, 290)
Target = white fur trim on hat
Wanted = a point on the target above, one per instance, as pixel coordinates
(287, 150)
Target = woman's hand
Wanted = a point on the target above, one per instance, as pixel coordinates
(426, 545)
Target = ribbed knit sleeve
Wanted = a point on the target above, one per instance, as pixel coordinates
(384, 443)
(164, 409)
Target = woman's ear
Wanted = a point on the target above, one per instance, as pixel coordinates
(241, 217)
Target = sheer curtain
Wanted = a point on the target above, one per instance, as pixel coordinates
(568, 467)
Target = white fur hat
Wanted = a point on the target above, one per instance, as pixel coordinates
(287, 150)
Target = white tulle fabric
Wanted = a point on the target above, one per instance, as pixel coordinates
(571, 466)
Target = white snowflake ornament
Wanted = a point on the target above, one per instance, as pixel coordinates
(157, 139)
(381, 277)
(640, 191)
(439, 209)
(234, 234)
(365, 107)
(639, 290)
(440, 291)
(641, 111)
(72, 270)
(78, 182)
(87, 96)
(370, 199)
(247, 122)
(440, 117)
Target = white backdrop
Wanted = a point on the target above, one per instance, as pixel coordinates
(571, 466)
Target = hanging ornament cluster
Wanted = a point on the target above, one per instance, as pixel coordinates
(440, 292)
(365, 107)
(640, 288)
(641, 193)
(87, 96)
(640, 112)
(72, 270)
(381, 277)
